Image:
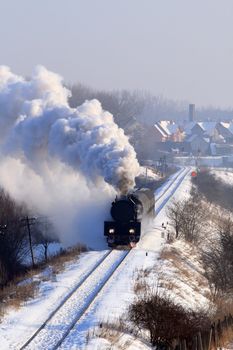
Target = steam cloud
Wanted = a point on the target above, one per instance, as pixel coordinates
(67, 162)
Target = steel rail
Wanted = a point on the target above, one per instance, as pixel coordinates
(172, 183)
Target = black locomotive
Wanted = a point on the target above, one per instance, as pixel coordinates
(127, 213)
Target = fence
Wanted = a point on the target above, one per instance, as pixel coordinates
(208, 340)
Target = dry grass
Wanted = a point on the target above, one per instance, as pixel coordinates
(13, 296)
(169, 254)
(119, 334)
(227, 338)
(224, 306)
(59, 261)
(140, 286)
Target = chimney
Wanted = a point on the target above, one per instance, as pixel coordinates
(191, 112)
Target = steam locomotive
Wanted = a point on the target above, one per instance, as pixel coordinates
(127, 213)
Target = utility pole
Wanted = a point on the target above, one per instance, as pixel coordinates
(30, 239)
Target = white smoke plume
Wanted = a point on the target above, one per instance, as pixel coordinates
(65, 162)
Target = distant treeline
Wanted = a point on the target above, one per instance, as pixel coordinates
(143, 106)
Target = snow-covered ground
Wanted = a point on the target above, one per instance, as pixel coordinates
(115, 297)
(224, 175)
(149, 173)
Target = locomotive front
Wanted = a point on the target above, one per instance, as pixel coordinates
(127, 213)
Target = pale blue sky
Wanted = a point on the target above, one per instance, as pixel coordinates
(181, 49)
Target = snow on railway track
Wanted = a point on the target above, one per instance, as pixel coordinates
(57, 327)
(170, 188)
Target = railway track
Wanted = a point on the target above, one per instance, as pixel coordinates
(181, 175)
(58, 325)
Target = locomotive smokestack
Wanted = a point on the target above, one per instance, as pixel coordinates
(125, 185)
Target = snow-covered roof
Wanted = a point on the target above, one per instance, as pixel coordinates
(161, 131)
(230, 127)
(225, 124)
(169, 127)
(208, 127)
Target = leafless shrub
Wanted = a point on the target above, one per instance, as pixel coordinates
(218, 259)
(165, 320)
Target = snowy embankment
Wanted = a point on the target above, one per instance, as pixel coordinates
(224, 175)
(113, 300)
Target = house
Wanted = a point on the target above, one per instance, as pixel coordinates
(211, 131)
(204, 129)
(173, 130)
(198, 145)
(170, 131)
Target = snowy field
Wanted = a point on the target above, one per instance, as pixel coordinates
(113, 300)
(224, 174)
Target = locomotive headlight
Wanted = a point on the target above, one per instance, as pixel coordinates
(111, 230)
(131, 231)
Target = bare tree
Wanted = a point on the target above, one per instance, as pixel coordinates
(187, 217)
(13, 238)
(44, 234)
(174, 214)
(218, 258)
(193, 219)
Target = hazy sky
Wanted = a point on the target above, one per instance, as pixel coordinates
(182, 49)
